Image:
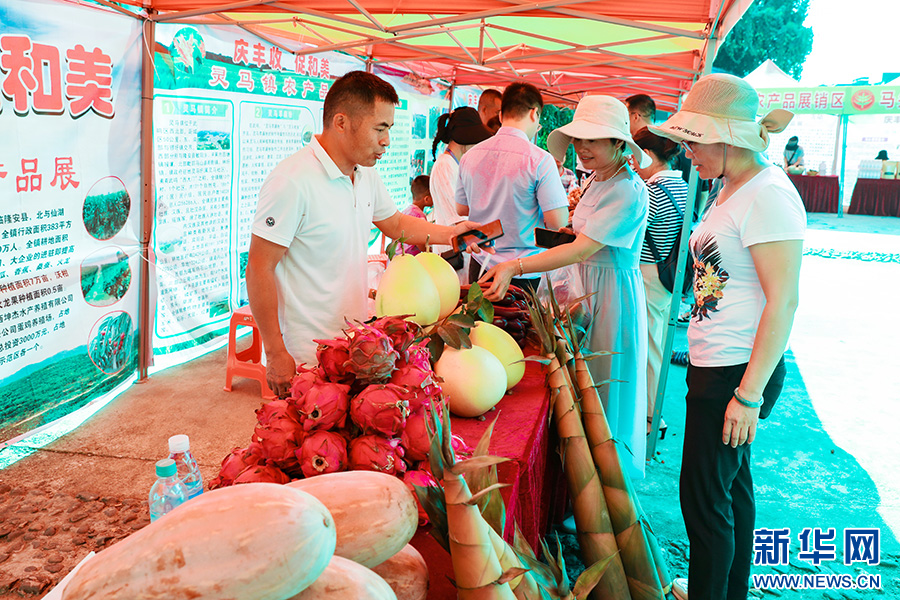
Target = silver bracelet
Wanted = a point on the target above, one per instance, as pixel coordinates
(746, 402)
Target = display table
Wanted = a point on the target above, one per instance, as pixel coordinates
(536, 493)
(878, 197)
(820, 193)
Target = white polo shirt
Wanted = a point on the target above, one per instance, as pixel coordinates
(324, 219)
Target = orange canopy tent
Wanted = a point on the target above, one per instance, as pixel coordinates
(565, 47)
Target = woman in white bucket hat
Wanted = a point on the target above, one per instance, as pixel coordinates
(609, 221)
(746, 254)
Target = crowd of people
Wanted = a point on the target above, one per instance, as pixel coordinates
(316, 209)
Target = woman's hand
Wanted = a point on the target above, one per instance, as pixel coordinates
(499, 276)
(568, 230)
(740, 424)
(473, 247)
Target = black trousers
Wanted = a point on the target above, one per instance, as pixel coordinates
(525, 284)
(716, 488)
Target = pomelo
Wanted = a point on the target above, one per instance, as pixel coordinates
(406, 288)
(502, 345)
(474, 380)
(445, 279)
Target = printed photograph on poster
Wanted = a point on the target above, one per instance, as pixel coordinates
(105, 276)
(417, 164)
(419, 128)
(106, 208)
(111, 346)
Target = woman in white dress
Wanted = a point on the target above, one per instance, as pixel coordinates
(459, 130)
(609, 222)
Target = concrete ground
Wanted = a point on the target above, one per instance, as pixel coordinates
(825, 458)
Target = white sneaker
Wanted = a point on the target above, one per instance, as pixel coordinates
(680, 588)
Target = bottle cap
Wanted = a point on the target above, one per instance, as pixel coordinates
(166, 468)
(179, 443)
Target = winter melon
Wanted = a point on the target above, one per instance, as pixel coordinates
(258, 540)
(406, 573)
(375, 514)
(344, 579)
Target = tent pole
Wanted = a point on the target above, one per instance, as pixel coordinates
(145, 350)
(843, 122)
(669, 337)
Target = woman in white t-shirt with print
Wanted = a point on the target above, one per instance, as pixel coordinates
(746, 257)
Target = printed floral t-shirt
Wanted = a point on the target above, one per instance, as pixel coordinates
(728, 298)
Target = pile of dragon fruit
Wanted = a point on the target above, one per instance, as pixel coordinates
(363, 407)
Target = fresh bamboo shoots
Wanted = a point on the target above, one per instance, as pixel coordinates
(647, 576)
(594, 529)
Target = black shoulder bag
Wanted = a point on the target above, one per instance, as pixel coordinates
(669, 265)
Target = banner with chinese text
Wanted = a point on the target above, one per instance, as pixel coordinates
(69, 216)
(228, 107)
(850, 100)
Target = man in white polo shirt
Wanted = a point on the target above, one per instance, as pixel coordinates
(307, 266)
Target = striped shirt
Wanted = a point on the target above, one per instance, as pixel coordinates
(663, 222)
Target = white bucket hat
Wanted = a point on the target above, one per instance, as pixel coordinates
(722, 108)
(596, 118)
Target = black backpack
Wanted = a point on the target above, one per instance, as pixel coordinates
(668, 265)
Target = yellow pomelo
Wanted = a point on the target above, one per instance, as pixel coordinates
(406, 288)
(445, 279)
(503, 346)
(474, 380)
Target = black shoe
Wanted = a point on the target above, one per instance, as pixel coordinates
(680, 358)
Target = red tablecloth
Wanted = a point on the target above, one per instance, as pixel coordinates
(537, 491)
(820, 193)
(879, 197)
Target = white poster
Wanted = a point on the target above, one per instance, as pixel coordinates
(69, 208)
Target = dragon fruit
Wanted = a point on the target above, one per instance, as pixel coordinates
(419, 478)
(263, 474)
(279, 439)
(371, 356)
(376, 453)
(323, 406)
(380, 408)
(415, 438)
(424, 391)
(332, 354)
(304, 380)
(417, 356)
(322, 452)
(460, 448)
(236, 463)
(276, 409)
(402, 332)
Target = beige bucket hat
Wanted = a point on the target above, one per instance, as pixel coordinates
(596, 118)
(722, 108)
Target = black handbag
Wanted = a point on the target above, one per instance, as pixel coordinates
(666, 267)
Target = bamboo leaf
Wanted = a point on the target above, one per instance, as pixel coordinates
(478, 496)
(538, 359)
(590, 577)
(461, 320)
(520, 544)
(561, 563)
(477, 462)
(511, 574)
(481, 449)
(590, 355)
(573, 303)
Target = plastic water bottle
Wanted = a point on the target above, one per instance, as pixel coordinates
(168, 491)
(188, 470)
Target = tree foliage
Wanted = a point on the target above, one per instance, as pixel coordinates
(553, 117)
(770, 29)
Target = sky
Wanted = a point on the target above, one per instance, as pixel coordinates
(851, 39)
